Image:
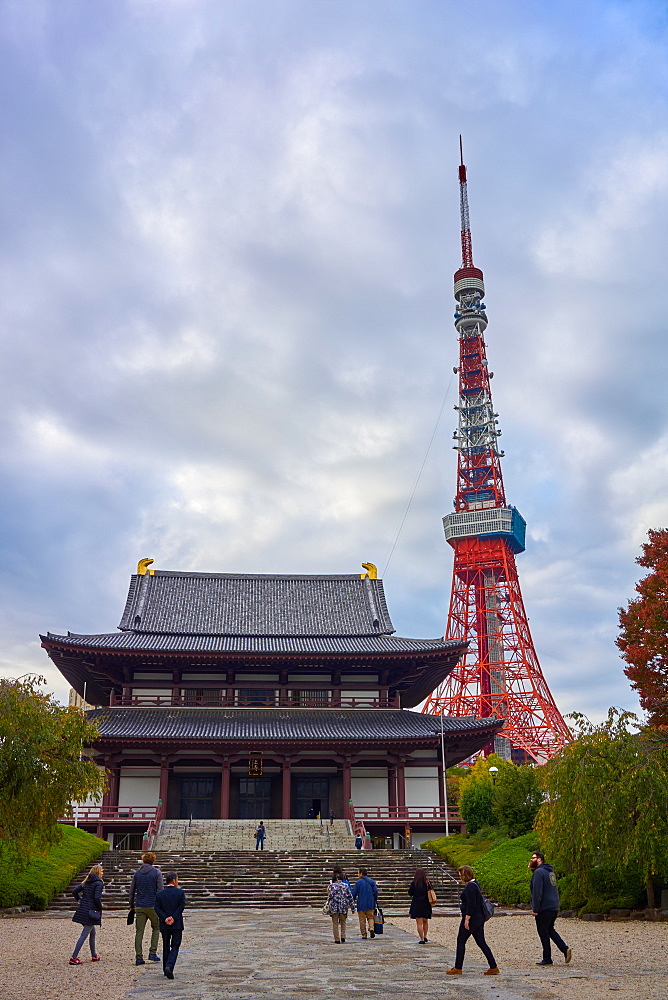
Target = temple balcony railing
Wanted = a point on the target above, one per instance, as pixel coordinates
(111, 814)
(405, 814)
(216, 699)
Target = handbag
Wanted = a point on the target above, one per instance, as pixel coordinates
(131, 917)
(327, 910)
(95, 914)
(378, 921)
(431, 896)
(487, 908)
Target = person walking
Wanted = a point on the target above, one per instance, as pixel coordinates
(545, 907)
(359, 841)
(365, 894)
(147, 882)
(88, 912)
(340, 901)
(420, 910)
(260, 834)
(472, 924)
(169, 905)
(331, 817)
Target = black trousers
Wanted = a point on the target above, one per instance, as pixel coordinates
(171, 942)
(545, 927)
(478, 935)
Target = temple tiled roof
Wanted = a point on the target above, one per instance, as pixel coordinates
(228, 604)
(270, 724)
(167, 642)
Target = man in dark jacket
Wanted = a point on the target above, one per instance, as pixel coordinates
(365, 894)
(147, 882)
(169, 905)
(545, 906)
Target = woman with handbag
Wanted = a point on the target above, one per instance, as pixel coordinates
(423, 895)
(474, 915)
(339, 901)
(88, 912)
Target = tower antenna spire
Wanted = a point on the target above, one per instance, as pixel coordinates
(467, 246)
(499, 675)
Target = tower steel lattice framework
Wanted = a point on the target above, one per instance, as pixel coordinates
(499, 675)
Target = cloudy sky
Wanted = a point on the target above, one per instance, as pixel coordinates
(228, 235)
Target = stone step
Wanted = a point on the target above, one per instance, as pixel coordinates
(269, 879)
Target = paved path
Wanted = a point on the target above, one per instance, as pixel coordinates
(284, 955)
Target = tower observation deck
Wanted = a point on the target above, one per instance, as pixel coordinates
(499, 675)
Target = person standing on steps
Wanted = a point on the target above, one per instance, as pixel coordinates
(472, 924)
(545, 907)
(331, 817)
(420, 910)
(365, 894)
(359, 842)
(88, 912)
(169, 905)
(147, 882)
(340, 901)
(260, 834)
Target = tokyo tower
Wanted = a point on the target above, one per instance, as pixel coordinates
(499, 675)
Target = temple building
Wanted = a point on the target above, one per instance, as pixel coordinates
(234, 696)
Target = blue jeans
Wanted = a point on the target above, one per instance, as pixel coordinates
(478, 935)
(259, 843)
(88, 930)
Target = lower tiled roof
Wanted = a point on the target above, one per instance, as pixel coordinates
(162, 642)
(281, 724)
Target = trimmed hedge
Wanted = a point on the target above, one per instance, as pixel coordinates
(500, 866)
(34, 883)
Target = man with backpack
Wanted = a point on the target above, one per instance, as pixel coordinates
(545, 907)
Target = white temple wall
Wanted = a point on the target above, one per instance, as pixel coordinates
(139, 786)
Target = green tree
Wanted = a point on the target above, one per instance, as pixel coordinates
(643, 635)
(607, 801)
(42, 767)
(476, 793)
(517, 798)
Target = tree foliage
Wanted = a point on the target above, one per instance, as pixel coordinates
(42, 768)
(643, 638)
(476, 793)
(607, 801)
(517, 798)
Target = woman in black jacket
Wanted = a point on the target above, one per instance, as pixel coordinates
(473, 924)
(420, 910)
(88, 912)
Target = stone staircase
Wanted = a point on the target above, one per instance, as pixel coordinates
(239, 835)
(220, 879)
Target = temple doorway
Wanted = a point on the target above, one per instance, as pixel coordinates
(196, 798)
(254, 798)
(312, 794)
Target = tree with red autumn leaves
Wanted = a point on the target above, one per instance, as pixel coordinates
(643, 638)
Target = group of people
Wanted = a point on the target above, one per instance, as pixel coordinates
(158, 900)
(342, 897)
(544, 905)
(154, 899)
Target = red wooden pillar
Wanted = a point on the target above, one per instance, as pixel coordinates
(287, 788)
(401, 788)
(164, 782)
(347, 787)
(392, 790)
(225, 789)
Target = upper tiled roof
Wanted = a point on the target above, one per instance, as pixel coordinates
(282, 724)
(228, 604)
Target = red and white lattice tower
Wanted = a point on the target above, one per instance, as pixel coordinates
(499, 676)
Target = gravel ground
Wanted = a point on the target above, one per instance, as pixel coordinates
(35, 952)
(628, 958)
